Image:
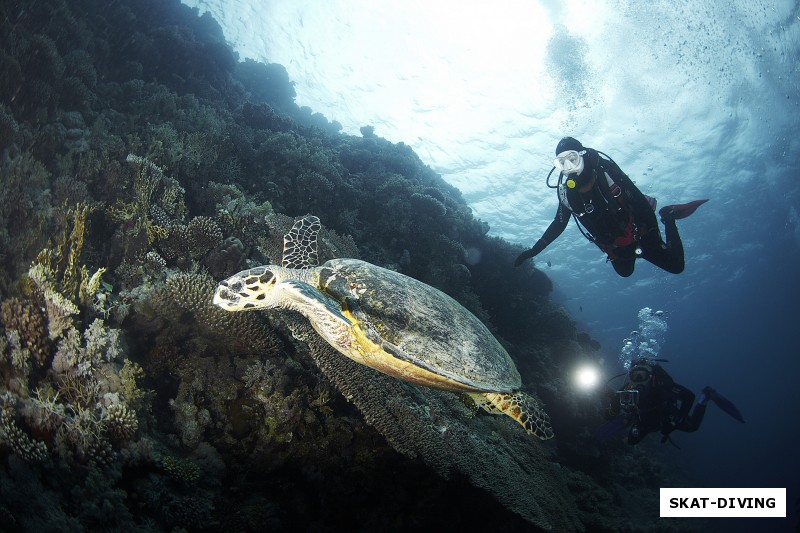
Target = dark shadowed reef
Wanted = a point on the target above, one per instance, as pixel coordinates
(141, 163)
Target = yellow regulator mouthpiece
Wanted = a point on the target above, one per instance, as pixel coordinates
(571, 183)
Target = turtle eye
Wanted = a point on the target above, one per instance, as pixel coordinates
(225, 295)
(236, 286)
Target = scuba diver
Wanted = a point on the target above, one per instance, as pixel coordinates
(651, 401)
(611, 212)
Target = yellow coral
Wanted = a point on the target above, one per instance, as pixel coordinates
(90, 285)
(120, 421)
(59, 313)
(137, 212)
(56, 274)
(70, 280)
(146, 183)
(129, 375)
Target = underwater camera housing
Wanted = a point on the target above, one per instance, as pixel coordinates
(628, 398)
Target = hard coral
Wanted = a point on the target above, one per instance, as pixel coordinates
(60, 310)
(31, 450)
(428, 205)
(226, 258)
(28, 321)
(180, 469)
(191, 241)
(120, 422)
(191, 292)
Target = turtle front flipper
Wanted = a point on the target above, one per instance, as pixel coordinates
(300, 244)
(302, 297)
(520, 406)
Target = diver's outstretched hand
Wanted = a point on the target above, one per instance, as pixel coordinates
(524, 256)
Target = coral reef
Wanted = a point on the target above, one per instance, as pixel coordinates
(139, 171)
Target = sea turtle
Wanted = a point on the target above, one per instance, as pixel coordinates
(387, 321)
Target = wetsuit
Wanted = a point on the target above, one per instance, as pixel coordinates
(618, 220)
(663, 406)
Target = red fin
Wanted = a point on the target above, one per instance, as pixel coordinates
(679, 211)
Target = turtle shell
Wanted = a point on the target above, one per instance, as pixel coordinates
(422, 324)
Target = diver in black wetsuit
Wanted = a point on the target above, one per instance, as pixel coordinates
(613, 213)
(652, 401)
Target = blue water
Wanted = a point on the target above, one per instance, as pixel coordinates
(742, 339)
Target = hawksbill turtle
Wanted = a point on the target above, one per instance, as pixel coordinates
(387, 321)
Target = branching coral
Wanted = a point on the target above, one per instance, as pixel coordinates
(120, 422)
(183, 470)
(31, 450)
(59, 279)
(147, 181)
(428, 205)
(236, 215)
(28, 321)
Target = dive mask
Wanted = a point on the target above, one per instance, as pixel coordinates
(639, 375)
(570, 162)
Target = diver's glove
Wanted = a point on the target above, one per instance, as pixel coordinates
(524, 256)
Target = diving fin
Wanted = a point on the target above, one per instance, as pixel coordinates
(667, 438)
(726, 405)
(612, 427)
(679, 211)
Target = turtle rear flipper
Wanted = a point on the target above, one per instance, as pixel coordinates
(520, 406)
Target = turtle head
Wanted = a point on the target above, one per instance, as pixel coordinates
(249, 289)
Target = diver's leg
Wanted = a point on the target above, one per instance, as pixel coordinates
(693, 421)
(623, 267)
(667, 255)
